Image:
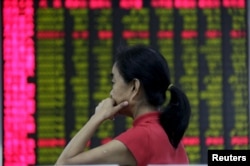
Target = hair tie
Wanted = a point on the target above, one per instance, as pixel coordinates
(169, 86)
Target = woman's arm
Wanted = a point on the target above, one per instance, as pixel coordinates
(114, 152)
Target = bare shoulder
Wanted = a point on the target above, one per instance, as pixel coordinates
(114, 152)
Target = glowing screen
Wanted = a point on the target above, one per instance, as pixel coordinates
(57, 56)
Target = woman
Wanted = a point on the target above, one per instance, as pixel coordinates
(140, 78)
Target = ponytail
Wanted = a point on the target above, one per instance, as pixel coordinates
(175, 117)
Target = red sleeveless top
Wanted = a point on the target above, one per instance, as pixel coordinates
(149, 143)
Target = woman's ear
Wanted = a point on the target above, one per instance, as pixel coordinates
(136, 86)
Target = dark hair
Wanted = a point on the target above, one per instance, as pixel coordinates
(150, 67)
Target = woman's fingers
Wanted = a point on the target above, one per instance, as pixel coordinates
(107, 108)
(117, 108)
(120, 106)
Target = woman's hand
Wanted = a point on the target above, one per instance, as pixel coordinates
(74, 152)
(107, 109)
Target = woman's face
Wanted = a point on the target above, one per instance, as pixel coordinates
(120, 89)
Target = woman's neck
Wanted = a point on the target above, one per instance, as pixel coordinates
(142, 108)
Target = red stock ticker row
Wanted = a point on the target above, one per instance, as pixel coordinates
(138, 4)
(128, 34)
(187, 141)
